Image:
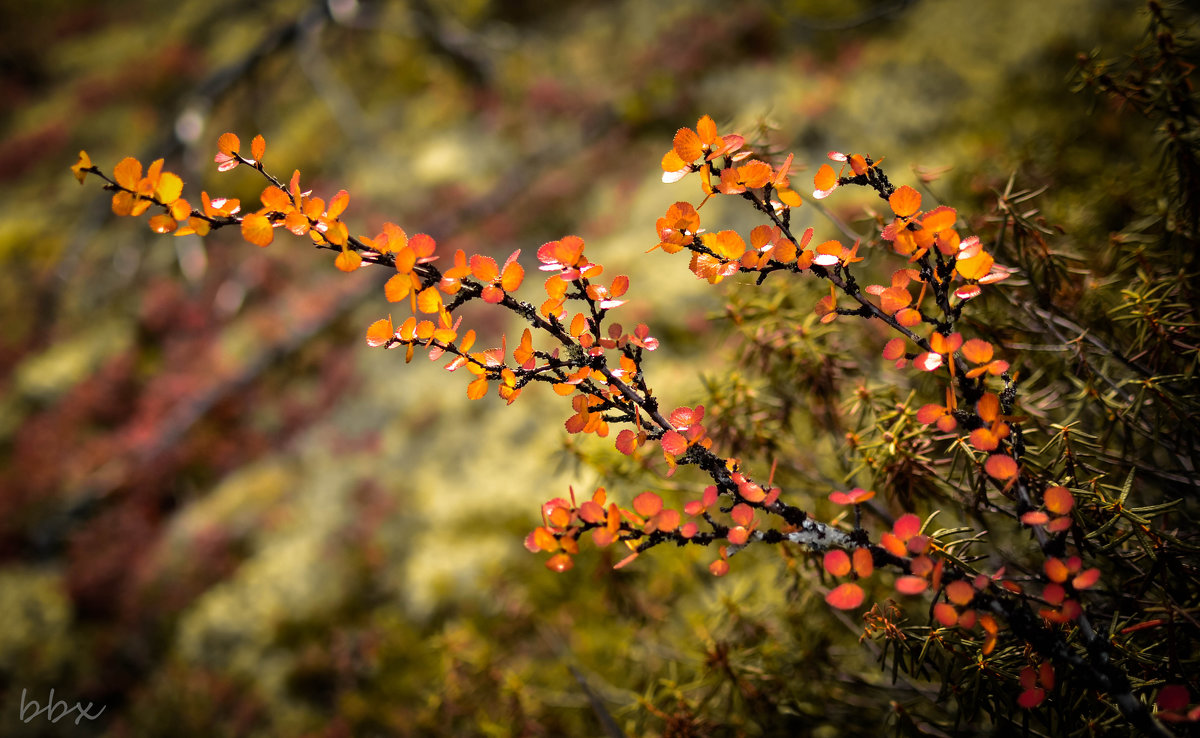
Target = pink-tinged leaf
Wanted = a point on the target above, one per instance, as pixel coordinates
(1036, 517)
(907, 526)
(837, 563)
(911, 585)
(853, 497)
(1086, 579)
(967, 292)
(626, 561)
(845, 596)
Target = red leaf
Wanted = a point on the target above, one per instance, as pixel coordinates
(845, 596)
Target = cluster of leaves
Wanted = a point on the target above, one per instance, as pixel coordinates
(1032, 629)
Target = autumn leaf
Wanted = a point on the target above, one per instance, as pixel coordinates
(845, 596)
(257, 229)
(905, 201)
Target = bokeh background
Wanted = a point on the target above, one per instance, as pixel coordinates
(221, 514)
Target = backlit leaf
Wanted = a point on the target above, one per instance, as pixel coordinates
(128, 172)
(905, 201)
(687, 145)
(257, 229)
(228, 144)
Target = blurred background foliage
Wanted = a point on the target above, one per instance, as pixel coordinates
(220, 514)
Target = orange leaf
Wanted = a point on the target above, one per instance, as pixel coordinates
(960, 592)
(1056, 570)
(939, 219)
(845, 596)
(894, 298)
(258, 147)
(169, 188)
(348, 260)
(975, 267)
(163, 223)
(560, 562)
(894, 349)
(338, 204)
(79, 169)
(905, 201)
(945, 614)
(687, 145)
(1059, 500)
(477, 388)
(228, 144)
(647, 504)
(257, 229)
(837, 563)
(429, 300)
(512, 276)
(128, 173)
(977, 351)
(398, 287)
(864, 563)
(276, 199)
(825, 181)
(1001, 466)
(484, 268)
